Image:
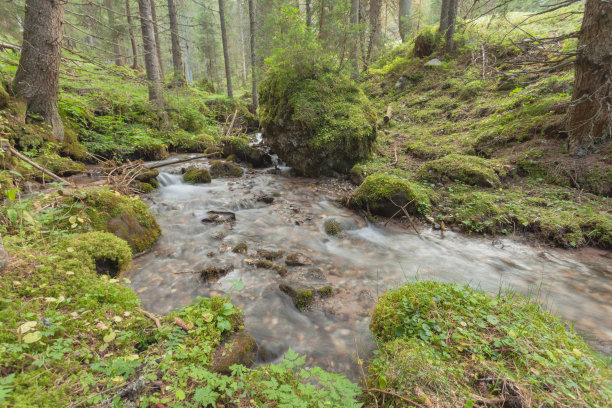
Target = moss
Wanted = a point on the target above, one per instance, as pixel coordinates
(377, 191)
(269, 255)
(326, 291)
(241, 248)
(303, 299)
(332, 227)
(6, 182)
(265, 264)
(216, 271)
(96, 251)
(444, 336)
(56, 164)
(4, 97)
(220, 169)
(316, 119)
(194, 175)
(146, 188)
(470, 170)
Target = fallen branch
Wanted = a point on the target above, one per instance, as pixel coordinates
(231, 126)
(181, 324)
(408, 216)
(150, 316)
(36, 166)
(5, 46)
(393, 394)
(186, 272)
(395, 153)
(163, 164)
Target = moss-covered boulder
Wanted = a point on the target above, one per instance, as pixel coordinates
(241, 148)
(315, 119)
(239, 348)
(97, 251)
(194, 175)
(127, 218)
(302, 296)
(450, 343)
(385, 194)
(471, 170)
(219, 169)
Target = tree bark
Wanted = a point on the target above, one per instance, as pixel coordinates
(158, 51)
(449, 43)
(177, 55)
(128, 12)
(590, 113)
(37, 78)
(321, 18)
(444, 17)
(242, 47)
(150, 53)
(308, 14)
(228, 71)
(405, 11)
(355, 38)
(253, 56)
(114, 35)
(375, 29)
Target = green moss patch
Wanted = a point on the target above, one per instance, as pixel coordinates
(379, 192)
(194, 175)
(470, 170)
(459, 345)
(220, 169)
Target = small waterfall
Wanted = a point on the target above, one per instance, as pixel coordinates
(167, 179)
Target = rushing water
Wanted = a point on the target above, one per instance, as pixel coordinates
(361, 263)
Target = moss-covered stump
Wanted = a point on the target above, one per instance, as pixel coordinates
(128, 218)
(194, 175)
(385, 194)
(239, 348)
(221, 169)
(315, 119)
(97, 251)
(448, 345)
(244, 151)
(471, 170)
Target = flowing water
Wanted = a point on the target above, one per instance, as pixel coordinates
(361, 263)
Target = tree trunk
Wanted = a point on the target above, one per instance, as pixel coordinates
(449, 43)
(150, 53)
(375, 29)
(128, 12)
(228, 71)
(405, 23)
(186, 43)
(308, 14)
(444, 17)
(590, 113)
(321, 18)
(37, 78)
(355, 38)
(242, 47)
(253, 58)
(177, 55)
(114, 34)
(157, 43)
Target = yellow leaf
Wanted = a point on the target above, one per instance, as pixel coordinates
(109, 337)
(27, 326)
(31, 337)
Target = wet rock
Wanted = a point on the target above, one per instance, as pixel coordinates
(220, 169)
(194, 175)
(271, 351)
(266, 199)
(297, 260)
(219, 217)
(239, 348)
(269, 255)
(332, 227)
(146, 175)
(303, 296)
(3, 257)
(215, 272)
(127, 226)
(265, 264)
(241, 248)
(241, 149)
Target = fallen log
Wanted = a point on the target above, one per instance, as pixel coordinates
(36, 166)
(164, 164)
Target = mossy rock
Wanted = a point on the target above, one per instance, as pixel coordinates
(332, 227)
(303, 296)
(241, 148)
(219, 169)
(239, 348)
(358, 174)
(4, 97)
(316, 119)
(127, 218)
(98, 251)
(6, 181)
(269, 255)
(241, 248)
(50, 160)
(379, 192)
(194, 175)
(471, 170)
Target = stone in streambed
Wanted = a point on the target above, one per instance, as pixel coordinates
(194, 175)
(297, 260)
(220, 169)
(239, 348)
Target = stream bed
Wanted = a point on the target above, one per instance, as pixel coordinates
(361, 264)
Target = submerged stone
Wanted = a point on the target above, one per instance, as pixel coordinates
(297, 260)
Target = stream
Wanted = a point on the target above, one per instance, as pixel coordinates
(361, 263)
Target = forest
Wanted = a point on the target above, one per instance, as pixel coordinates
(306, 203)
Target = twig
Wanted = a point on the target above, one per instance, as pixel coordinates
(5, 46)
(158, 165)
(150, 316)
(186, 272)
(394, 395)
(408, 216)
(395, 153)
(45, 171)
(231, 126)
(99, 393)
(181, 324)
